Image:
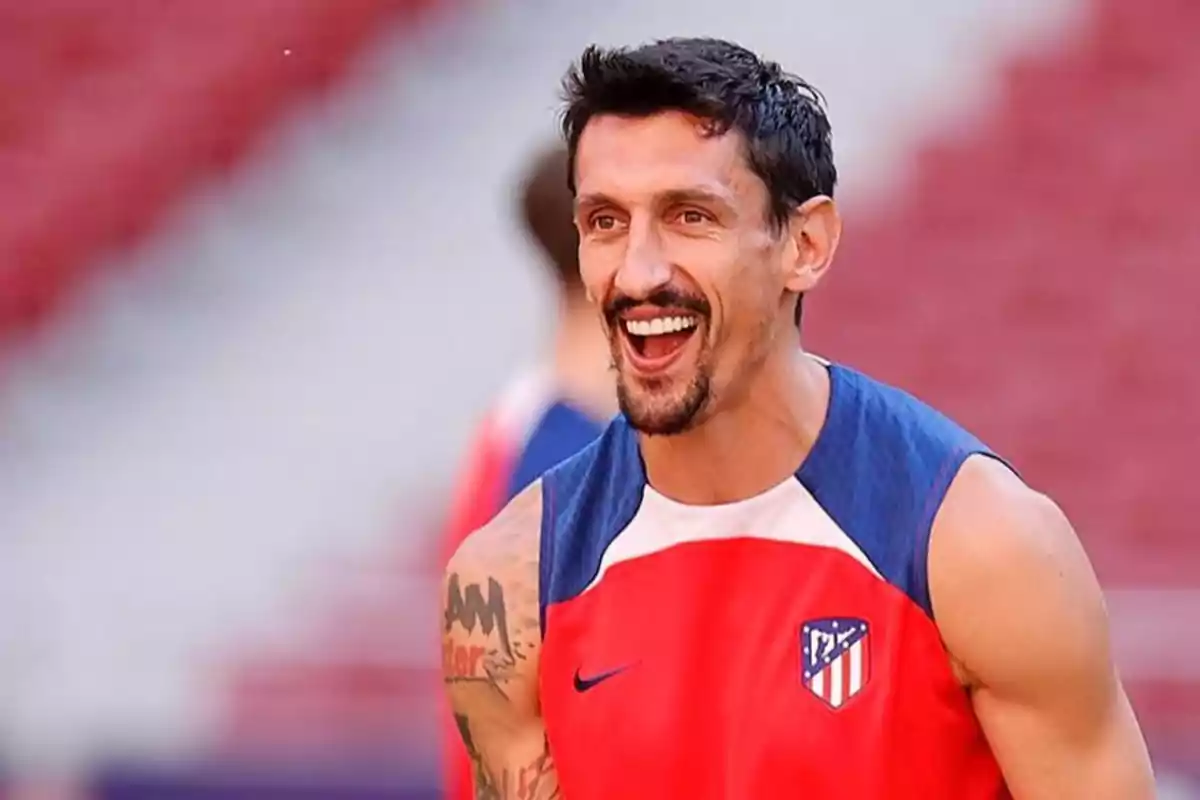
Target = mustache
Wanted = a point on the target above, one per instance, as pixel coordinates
(662, 298)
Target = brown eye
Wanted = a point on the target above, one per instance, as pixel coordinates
(604, 222)
(692, 217)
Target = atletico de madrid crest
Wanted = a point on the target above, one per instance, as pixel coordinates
(835, 661)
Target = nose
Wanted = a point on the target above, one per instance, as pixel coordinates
(645, 268)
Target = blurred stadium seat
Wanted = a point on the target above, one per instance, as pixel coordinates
(109, 110)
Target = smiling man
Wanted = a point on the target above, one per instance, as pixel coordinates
(771, 576)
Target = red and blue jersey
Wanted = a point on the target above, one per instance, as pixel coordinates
(529, 430)
(780, 646)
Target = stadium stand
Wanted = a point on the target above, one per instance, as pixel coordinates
(195, 84)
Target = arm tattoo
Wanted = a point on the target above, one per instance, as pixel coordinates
(534, 781)
(481, 778)
(468, 608)
(485, 609)
(490, 628)
(538, 780)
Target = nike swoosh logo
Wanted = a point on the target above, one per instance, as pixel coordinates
(584, 684)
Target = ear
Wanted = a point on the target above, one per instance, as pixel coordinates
(815, 229)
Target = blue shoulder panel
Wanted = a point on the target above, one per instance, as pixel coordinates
(880, 468)
(586, 501)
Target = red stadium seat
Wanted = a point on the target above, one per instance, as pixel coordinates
(109, 110)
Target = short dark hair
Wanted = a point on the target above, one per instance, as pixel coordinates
(788, 138)
(547, 214)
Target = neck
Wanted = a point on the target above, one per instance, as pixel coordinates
(745, 450)
(582, 359)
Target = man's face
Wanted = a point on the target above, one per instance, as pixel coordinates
(677, 245)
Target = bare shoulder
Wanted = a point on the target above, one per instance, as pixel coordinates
(991, 520)
(1023, 618)
(491, 629)
(507, 545)
(1002, 556)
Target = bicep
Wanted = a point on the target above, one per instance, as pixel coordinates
(509, 753)
(490, 647)
(492, 686)
(1049, 700)
(1021, 611)
(1046, 750)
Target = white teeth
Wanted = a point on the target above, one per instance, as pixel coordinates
(659, 325)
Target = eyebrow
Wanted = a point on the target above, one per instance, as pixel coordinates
(698, 194)
(593, 200)
(695, 194)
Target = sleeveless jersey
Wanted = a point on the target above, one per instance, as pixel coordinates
(529, 430)
(780, 646)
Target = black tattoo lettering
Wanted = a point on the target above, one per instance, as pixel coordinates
(538, 781)
(485, 787)
(467, 607)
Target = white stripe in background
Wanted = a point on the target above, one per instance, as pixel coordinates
(1156, 633)
(856, 671)
(836, 673)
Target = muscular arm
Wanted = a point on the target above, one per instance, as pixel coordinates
(1023, 617)
(490, 643)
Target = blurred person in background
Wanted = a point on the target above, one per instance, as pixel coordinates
(545, 414)
(733, 592)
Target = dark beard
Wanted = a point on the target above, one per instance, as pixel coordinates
(675, 419)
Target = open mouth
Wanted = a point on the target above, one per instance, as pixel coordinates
(655, 342)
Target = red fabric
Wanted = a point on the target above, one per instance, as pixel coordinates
(748, 725)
